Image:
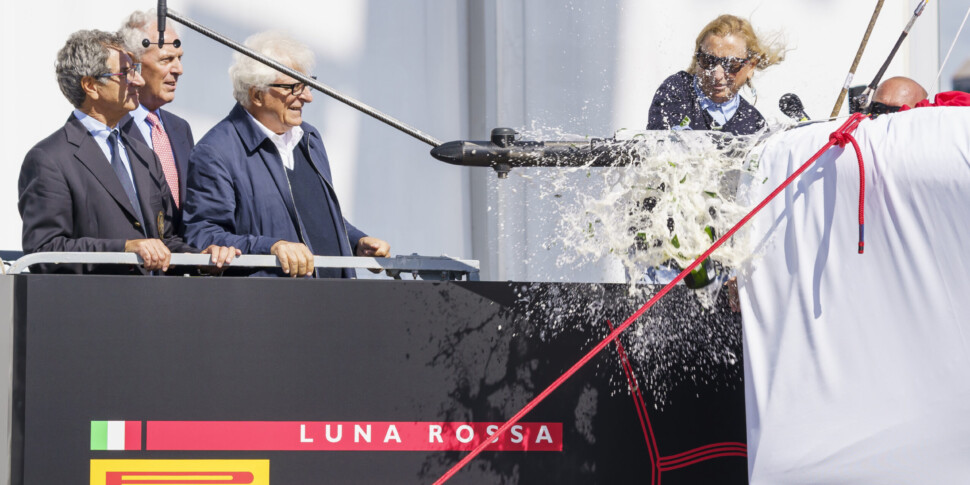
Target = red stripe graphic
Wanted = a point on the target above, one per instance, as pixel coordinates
(739, 454)
(641, 408)
(347, 436)
(132, 435)
(659, 463)
(702, 450)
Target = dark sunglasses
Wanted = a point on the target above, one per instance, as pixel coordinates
(876, 108)
(731, 65)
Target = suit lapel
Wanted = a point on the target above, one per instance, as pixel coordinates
(91, 156)
(256, 141)
(322, 168)
(140, 158)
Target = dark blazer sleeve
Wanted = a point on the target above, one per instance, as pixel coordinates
(47, 208)
(671, 103)
(354, 235)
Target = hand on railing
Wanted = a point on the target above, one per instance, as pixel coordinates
(222, 256)
(373, 247)
(295, 258)
(152, 251)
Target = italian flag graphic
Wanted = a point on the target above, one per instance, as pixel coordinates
(115, 435)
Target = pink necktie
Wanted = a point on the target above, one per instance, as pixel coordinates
(163, 149)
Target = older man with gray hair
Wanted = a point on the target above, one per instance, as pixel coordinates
(260, 180)
(169, 136)
(88, 187)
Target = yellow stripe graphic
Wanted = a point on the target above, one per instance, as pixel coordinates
(180, 472)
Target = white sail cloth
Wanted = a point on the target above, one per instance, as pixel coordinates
(857, 367)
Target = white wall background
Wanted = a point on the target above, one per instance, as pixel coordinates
(455, 69)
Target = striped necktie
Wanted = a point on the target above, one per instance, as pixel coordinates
(163, 148)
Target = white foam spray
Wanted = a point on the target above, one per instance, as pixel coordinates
(664, 208)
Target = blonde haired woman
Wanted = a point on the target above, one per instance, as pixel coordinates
(705, 97)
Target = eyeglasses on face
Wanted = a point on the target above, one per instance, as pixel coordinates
(129, 72)
(731, 65)
(295, 89)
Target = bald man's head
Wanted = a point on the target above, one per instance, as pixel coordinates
(897, 91)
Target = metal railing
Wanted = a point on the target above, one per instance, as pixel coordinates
(424, 267)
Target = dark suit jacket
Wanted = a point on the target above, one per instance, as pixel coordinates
(238, 194)
(676, 99)
(180, 136)
(71, 200)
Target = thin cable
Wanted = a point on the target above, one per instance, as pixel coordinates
(954, 44)
(866, 97)
(304, 78)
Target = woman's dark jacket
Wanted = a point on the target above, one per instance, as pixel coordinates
(676, 104)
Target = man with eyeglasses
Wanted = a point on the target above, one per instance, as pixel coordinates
(260, 179)
(168, 135)
(88, 187)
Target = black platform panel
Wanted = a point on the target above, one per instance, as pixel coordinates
(121, 380)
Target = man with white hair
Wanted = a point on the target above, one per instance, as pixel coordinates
(169, 136)
(260, 179)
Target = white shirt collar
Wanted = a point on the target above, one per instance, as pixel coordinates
(284, 143)
(140, 117)
(720, 112)
(100, 132)
(140, 113)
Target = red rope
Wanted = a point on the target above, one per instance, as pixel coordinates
(838, 137)
(841, 137)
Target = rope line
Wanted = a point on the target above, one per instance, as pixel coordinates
(847, 127)
(841, 137)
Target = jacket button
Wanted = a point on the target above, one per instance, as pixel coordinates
(137, 224)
